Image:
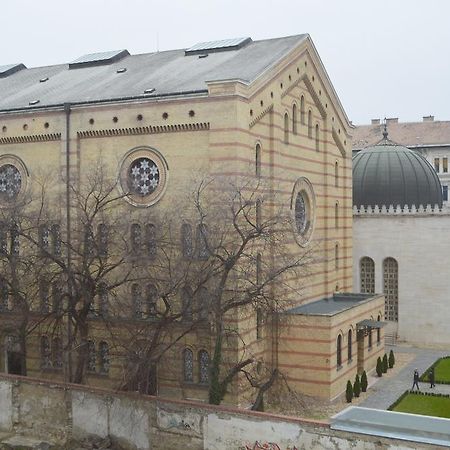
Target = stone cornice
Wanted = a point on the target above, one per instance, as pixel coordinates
(31, 138)
(148, 129)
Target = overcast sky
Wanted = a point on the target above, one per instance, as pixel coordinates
(385, 58)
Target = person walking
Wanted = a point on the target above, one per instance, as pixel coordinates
(431, 377)
(416, 380)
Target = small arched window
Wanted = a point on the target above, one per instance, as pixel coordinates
(310, 125)
(294, 118)
(57, 353)
(336, 256)
(349, 345)
(136, 239)
(367, 275)
(103, 300)
(339, 351)
(370, 338)
(15, 240)
(202, 241)
(336, 174)
(88, 241)
(44, 294)
(378, 330)
(286, 128)
(258, 269)
(56, 239)
(203, 360)
(103, 357)
(4, 304)
(45, 353)
(258, 213)
(3, 239)
(150, 238)
(91, 356)
(188, 365)
(136, 299)
(317, 138)
(203, 303)
(258, 160)
(102, 240)
(186, 240)
(44, 238)
(186, 301)
(57, 297)
(302, 110)
(152, 298)
(336, 215)
(390, 288)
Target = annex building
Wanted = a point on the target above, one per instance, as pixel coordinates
(153, 123)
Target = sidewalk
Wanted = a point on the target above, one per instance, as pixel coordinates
(385, 391)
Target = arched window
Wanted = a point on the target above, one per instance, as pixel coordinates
(259, 323)
(102, 240)
(370, 338)
(4, 304)
(188, 365)
(186, 301)
(152, 298)
(56, 239)
(310, 125)
(202, 241)
(103, 300)
(317, 138)
(367, 275)
(286, 128)
(203, 360)
(91, 356)
(103, 357)
(258, 213)
(136, 299)
(44, 294)
(258, 268)
(57, 353)
(294, 118)
(302, 110)
(336, 256)
(15, 240)
(150, 237)
(88, 241)
(203, 303)
(390, 288)
(45, 353)
(349, 345)
(258, 160)
(44, 238)
(136, 239)
(339, 351)
(336, 215)
(56, 297)
(378, 330)
(186, 240)
(3, 239)
(336, 174)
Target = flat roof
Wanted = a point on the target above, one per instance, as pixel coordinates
(332, 305)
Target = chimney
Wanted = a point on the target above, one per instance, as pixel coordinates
(392, 120)
(375, 121)
(428, 118)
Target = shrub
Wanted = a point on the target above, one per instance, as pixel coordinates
(356, 387)
(385, 363)
(349, 392)
(379, 368)
(364, 382)
(391, 359)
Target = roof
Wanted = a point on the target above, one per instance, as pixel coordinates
(391, 174)
(168, 73)
(369, 323)
(409, 134)
(331, 305)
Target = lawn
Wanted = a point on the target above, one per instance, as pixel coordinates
(442, 370)
(424, 404)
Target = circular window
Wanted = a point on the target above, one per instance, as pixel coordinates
(10, 182)
(303, 210)
(143, 176)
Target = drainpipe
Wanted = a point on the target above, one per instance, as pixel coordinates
(67, 111)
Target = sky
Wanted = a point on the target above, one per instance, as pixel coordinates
(384, 58)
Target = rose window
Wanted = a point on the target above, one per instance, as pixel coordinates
(301, 217)
(10, 181)
(143, 177)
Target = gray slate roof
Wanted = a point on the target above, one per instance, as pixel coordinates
(168, 72)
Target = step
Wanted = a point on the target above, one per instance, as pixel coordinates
(18, 442)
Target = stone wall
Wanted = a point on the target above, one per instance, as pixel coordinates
(56, 412)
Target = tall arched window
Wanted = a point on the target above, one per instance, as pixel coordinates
(349, 345)
(150, 238)
(310, 125)
(336, 256)
(286, 128)
(202, 241)
(57, 297)
(367, 275)
(378, 330)
(103, 300)
(336, 174)
(44, 237)
(136, 299)
(4, 306)
(102, 240)
(302, 110)
(188, 365)
(3, 239)
(91, 356)
(258, 268)
(317, 138)
(258, 213)
(390, 288)
(103, 358)
(56, 239)
(44, 294)
(186, 301)
(45, 353)
(203, 303)
(370, 338)
(258, 160)
(294, 118)
(186, 240)
(152, 298)
(336, 215)
(136, 239)
(57, 353)
(203, 361)
(15, 240)
(339, 351)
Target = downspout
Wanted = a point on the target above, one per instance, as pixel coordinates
(67, 111)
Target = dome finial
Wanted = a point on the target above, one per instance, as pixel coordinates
(385, 132)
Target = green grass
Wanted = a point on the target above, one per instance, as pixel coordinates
(442, 370)
(426, 405)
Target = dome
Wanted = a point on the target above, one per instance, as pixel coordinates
(390, 174)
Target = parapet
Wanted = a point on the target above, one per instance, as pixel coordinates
(398, 210)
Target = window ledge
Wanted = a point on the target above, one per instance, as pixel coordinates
(338, 368)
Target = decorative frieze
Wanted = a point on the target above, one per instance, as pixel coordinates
(31, 138)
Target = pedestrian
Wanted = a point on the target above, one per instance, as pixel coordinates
(431, 377)
(416, 380)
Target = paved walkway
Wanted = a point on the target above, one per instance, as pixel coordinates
(385, 391)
